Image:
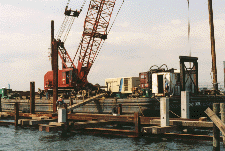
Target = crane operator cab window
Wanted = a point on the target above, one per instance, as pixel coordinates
(67, 77)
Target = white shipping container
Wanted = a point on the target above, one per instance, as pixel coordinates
(158, 82)
(123, 84)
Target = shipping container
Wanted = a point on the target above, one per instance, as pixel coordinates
(158, 83)
(123, 84)
(144, 80)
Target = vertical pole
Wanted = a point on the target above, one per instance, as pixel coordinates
(195, 77)
(182, 75)
(164, 111)
(65, 105)
(71, 103)
(185, 104)
(216, 131)
(52, 38)
(83, 95)
(16, 110)
(137, 123)
(213, 52)
(32, 97)
(120, 109)
(55, 73)
(54, 53)
(115, 101)
(65, 128)
(222, 111)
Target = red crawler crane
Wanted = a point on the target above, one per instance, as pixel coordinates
(95, 31)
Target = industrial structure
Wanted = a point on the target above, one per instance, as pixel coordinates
(140, 111)
(74, 71)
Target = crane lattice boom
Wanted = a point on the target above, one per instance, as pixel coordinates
(95, 30)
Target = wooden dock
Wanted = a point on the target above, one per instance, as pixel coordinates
(123, 123)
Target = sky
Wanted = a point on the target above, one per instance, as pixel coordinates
(145, 33)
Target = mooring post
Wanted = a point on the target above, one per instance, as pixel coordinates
(54, 55)
(185, 104)
(137, 124)
(83, 95)
(66, 115)
(213, 51)
(62, 114)
(52, 38)
(120, 109)
(115, 102)
(55, 73)
(164, 111)
(65, 121)
(16, 110)
(216, 131)
(32, 97)
(71, 103)
(222, 111)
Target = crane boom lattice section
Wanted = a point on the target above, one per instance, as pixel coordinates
(95, 30)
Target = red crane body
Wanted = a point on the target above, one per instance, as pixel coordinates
(95, 31)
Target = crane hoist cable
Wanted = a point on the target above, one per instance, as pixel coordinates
(189, 31)
(68, 29)
(62, 28)
(67, 23)
(63, 25)
(71, 23)
(188, 22)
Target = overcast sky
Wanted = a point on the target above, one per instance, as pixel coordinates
(145, 33)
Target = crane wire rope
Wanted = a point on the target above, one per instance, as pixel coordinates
(189, 31)
(67, 23)
(71, 23)
(60, 31)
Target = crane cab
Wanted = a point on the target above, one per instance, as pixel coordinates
(66, 79)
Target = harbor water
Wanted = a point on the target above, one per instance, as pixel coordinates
(12, 138)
